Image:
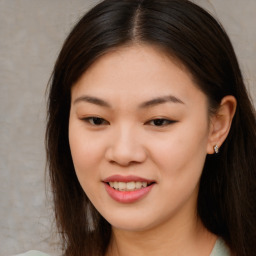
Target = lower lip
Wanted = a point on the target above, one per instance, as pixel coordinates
(128, 196)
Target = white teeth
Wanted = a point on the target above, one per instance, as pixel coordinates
(128, 186)
(122, 185)
(144, 184)
(138, 184)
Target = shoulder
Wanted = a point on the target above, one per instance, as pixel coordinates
(220, 249)
(32, 253)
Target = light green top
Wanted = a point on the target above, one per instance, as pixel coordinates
(32, 253)
(220, 249)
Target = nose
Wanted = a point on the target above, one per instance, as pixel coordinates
(126, 148)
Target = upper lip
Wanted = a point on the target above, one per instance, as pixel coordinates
(128, 178)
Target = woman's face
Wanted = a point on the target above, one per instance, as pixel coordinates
(138, 134)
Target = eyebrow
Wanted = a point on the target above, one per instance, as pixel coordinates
(92, 100)
(161, 100)
(146, 104)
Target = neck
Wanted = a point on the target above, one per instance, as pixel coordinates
(187, 238)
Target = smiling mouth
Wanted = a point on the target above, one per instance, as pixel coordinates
(129, 186)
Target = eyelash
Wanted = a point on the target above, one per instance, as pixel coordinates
(158, 122)
(96, 121)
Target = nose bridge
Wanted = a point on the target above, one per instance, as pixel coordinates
(126, 145)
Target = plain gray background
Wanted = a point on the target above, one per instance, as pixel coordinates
(31, 34)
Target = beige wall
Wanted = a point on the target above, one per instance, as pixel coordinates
(31, 33)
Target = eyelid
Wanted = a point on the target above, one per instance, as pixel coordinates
(167, 121)
(89, 120)
(101, 121)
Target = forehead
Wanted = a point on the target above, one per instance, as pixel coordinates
(139, 71)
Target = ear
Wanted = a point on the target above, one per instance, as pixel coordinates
(220, 123)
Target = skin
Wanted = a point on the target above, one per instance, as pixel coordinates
(127, 140)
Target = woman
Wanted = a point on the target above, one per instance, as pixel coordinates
(151, 135)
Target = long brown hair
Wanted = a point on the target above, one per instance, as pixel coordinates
(226, 200)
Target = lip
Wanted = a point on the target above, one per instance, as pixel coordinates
(127, 196)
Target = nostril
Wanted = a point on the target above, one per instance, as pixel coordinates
(125, 156)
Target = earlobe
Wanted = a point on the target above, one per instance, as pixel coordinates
(221, 123)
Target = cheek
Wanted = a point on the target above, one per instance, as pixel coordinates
(181, 163)
(86, 155)
(182, 154)
(86, 148)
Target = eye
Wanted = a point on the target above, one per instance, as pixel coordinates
(96, 121)
(160, 122)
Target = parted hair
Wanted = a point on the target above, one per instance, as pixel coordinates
(227, 192)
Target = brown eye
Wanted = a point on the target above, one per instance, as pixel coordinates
(160, 122)
(97, 121)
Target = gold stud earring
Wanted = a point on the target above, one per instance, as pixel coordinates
(216, 149)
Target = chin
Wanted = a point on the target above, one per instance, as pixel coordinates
(131, 226)
(131, 223)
